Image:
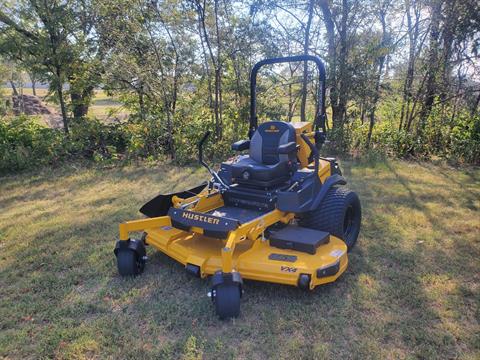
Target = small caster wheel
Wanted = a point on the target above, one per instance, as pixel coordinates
(304, 281)
(227, 300)
(129, 263)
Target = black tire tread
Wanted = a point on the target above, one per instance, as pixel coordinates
(227, 301)
(127, 263)
(325, 218)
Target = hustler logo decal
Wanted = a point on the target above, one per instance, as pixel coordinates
(273, 129)
(201, 218)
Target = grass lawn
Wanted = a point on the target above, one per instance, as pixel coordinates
(26, 91)
(412, 289)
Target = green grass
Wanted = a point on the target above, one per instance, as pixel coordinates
(412, 289)
(26, 91)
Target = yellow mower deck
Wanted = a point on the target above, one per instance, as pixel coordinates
(245, 250)
(250, 259)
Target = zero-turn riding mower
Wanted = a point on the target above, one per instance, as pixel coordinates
(279, 214)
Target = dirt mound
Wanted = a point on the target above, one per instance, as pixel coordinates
(33, 105)
(29, 105)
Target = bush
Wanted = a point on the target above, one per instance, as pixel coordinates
(24, 143)
(464, 140)
(92, 139)
(453, 138)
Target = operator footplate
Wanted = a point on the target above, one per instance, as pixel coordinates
(298, 238)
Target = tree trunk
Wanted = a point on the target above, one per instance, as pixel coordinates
(14, 88)
(218, 79)
(448, 33)
(216, 65)
(455, 99)
(363, 110)
(306, 44)
(171, 143)
(141, 103)
(332, 57)
(431, 82)
(206, 66)
(63, 108)
(416, 100)
(290, 103)
(342, 76)
(474, 108)
(34, 90)
(381, 63)
(413, 30)
(81, 102)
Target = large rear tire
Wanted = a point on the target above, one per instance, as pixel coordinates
(340, 214)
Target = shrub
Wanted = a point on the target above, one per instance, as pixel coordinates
(464, 140)
(25, 143)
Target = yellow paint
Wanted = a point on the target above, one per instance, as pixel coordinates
(245, 250)
(304, 151)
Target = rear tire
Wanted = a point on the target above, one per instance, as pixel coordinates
(340, 214)
(128, 263)
(227, 300)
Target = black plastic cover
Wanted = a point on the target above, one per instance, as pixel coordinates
(193, 270)
(282, 257)
(299, 238)
(226, 278)
(159, 205)
(328, 270)
(243, 197)
(136, 245)
(241, 145)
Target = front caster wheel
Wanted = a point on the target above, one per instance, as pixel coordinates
(226, 293)
(227, 300)
(304, 282)
(128, 263)
(131, 257)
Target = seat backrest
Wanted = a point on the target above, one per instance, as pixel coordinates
(266, 140)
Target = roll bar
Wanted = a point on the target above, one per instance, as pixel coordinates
(320, 111)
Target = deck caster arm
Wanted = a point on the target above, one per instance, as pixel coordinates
(138, 225)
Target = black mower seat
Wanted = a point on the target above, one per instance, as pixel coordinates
(267, 175)
(266, 165)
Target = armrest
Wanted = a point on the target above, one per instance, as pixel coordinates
(287, 148)
(241, 145)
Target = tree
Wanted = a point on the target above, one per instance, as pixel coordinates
(306, 45)
(413, 32)
(55, 40)
(435, 8)
(382, 52)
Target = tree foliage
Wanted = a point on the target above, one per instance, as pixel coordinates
(402, 77)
